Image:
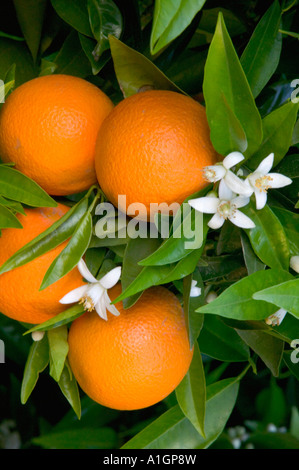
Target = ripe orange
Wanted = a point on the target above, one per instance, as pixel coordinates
(20, 297)
(152, 148)
(136, 359)
(48, 128)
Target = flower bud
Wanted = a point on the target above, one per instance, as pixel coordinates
(37, 335)
(294, 263)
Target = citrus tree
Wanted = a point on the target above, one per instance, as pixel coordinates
(228, 263)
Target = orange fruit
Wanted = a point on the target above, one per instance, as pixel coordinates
(20, 297)
(48, 128)
(133, 360)
(152, 148)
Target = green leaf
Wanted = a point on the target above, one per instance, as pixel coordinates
(74, 13)
(56, 234)
(268, 348)
(37, 361)
(60, 319)
(18, 187)
(268, 238)
(172, 430)
(8, 219)
(252, 262)
(135, 71)
(221, 342)
(224, 77)
(236, 301)
(191, 393)
(191, 304)
(71, 254)
(278, 130)
(271, 405)
(69, 388)
(71, 59)
(284, 295)
(105, 19)
(191, 231)
(136, 249)
(30, 17)
(84, 438)
(156, 275)
(290, 223)
(97, 63)
(58, 350)
(16, 53)
(262, 53)
(171, 18)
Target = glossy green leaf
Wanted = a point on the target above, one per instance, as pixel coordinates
(68, 385)
(74, 13)
(278, 130)
(47, 67)
(192, 231)
(224, 77)
(60, 319)
(271, 404)
(220, 266)
(97, 63)
(30, 17)
(171, 18)
(49, 239)
(18, 187)
(172, 430)
(105, 19)
(284, 295)
(136, 249)
(268, 238)
(37, 361)
(290, 223)
(191, 304)
(71, 254)
(8, 219)
(16, 53)
(71, 58)
(135, 71)
(236, 301)
(252, 262)
(221, 342)
(85, 438)
(274, 440)
(191, 393)
(262, 53)
(268, 348)
(58, 350)
(156, 275)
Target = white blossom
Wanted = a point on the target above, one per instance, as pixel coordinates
(224, 207)
(195, 291)
(276, 318)
(294, 263)
(261, 180)
(222, 171)
(94, 295)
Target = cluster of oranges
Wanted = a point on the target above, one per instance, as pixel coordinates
(66, 134)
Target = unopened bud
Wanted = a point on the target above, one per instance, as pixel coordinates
(294, 263)
(37, 335)
(211, 296)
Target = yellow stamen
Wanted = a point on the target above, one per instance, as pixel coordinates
(263, 183)
(87, 303)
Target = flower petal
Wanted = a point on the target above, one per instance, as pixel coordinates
(224, 192)
(195, 291)
(276, 318)
(111, 278)
(84, 271)
(101, 308)
(265, 165)
(240, 201)
(232, 159)
(216, 222)
(237, 185)
(260, 199)
(279, 181)
(74, 295)
(109, 306)
(214, 173)
(208, 205)
(241, 220)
